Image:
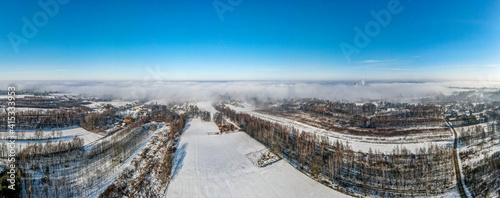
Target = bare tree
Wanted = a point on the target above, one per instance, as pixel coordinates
(23, 133)
(38, 134)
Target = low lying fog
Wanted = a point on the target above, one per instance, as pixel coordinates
(191, 90)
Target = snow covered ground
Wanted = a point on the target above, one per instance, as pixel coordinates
(159, 102)
(67, 135)
(17, 96)
(31, 109)
(116, 103)
(358, 143)
(207, 106)
(20, 109)
(218, 166)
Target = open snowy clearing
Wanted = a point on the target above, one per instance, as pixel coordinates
(115, 103)
(16, 96)
(21, 109)
(218, 166)
(207, 106)
(67, 135)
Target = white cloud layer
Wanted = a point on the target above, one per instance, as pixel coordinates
(190, 91)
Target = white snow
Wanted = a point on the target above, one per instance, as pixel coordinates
(31, 109)
(16, 96)
(159, 102)
(217, 166)
(207, 106)
(115, 103)
(67, 135)
(450, 194)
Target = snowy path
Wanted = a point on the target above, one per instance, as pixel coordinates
(217, 166)
(462, 188)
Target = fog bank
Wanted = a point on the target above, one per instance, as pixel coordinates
(193, 90)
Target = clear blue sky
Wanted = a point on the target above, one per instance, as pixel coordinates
(257, 40)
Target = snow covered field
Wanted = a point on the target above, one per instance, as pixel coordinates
(67, 135)
(115, 103)
(207, 106)
(17, 96)
(18, 109)
(218, 166)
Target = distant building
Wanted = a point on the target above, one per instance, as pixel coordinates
(363, 83)
(128, 119)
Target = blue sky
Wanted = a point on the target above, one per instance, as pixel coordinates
(257, 40)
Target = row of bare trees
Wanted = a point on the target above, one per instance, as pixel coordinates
(98, 121)
(38, 134)
(48, 119)
(405, 122)
(55, 119)
(46, 167)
